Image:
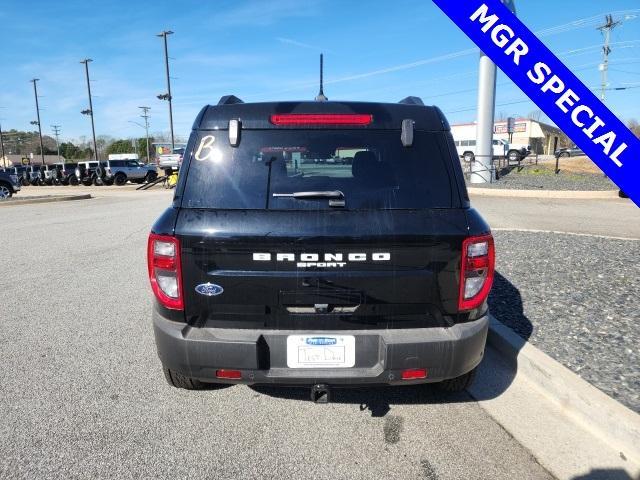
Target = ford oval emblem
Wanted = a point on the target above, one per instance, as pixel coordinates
(321, 341)
(209, 289)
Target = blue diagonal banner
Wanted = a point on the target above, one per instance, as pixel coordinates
(551, 85)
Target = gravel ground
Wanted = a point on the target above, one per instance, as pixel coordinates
(545, 179)
(82, 394)
(577, 298)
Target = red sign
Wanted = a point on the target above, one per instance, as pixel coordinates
(502, 128)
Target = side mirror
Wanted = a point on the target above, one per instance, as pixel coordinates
(407, 132)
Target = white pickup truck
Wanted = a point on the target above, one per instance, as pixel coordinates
(171, 161)
(501, 149)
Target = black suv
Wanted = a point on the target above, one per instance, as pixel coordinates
(270, 268)
(64, 174)
(573, 151)
(31, 175)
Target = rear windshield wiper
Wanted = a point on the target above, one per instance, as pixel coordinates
(336, 197)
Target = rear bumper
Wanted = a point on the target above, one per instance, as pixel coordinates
(381, 355)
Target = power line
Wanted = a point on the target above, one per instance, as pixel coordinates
(624, 71)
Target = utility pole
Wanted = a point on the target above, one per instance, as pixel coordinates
(167, 96)
(35, 92)
(4, 159)
(606, 29)
(145, 115)
(56, 132)
(90, 110)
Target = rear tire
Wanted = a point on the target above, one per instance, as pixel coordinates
(178, 380)
(73, 180)
(564, 155)
(120, 179)
(513, 156)
(151, 177)
(86, 181)
(458, 384)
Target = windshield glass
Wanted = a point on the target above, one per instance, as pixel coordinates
(371, 168)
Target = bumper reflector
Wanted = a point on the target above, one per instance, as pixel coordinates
(414, 373)
(229, 374)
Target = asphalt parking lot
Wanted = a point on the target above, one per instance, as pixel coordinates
(83, 396)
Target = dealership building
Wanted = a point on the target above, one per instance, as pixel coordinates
(543, 139)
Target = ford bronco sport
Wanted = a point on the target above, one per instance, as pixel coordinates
(273, 267)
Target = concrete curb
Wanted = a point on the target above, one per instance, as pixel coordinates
(49, 199)
(577, 194)
(582, 403)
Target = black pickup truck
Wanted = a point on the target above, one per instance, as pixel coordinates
(275, 266)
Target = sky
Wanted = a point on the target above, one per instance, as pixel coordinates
(268, 50)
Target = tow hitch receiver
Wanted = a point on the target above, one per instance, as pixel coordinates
(320, 393)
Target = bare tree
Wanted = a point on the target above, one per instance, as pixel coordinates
(535, 115)
(634, 126)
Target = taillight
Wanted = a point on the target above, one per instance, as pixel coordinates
(165, 272)
(414, 373)
(321, 119)
(476, 271)
(229, 374)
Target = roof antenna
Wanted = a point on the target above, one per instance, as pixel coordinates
(321, 97)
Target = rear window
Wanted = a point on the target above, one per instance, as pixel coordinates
(370, 168)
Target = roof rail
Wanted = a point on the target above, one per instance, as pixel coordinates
(229, 100)
(411, 100)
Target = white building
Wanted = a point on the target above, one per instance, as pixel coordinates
(541, 137)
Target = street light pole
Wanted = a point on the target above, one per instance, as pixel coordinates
(35, 92)
(145, 115)
(167, 96)
(90, 111)
(482, 169)
(56, 132)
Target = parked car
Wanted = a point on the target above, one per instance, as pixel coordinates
(171, 161)
(9, 184)
(65, 174)
(119, 171)
(378, 274)
(46, 175)
(86, 172)
(17, 170)
(338, 160)
(31, 175)
(573, 151)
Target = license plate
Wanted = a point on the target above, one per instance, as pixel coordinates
(321, 351)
